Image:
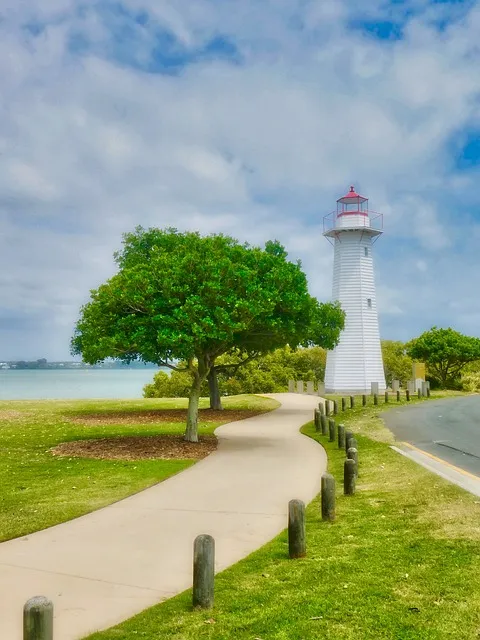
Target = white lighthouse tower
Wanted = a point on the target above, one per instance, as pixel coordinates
(356, 362)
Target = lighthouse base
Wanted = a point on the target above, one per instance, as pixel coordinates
(354, 392)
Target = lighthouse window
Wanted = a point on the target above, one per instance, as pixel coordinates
(366, 251)
(369, 303)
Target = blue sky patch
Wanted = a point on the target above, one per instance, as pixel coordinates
(468, 155)
(384, 30)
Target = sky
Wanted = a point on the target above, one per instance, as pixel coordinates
(244, 117)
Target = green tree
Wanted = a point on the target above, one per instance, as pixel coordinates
(184, 297)
(446, 353)
(396, 363)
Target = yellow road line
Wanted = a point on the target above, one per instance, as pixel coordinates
(447, 464)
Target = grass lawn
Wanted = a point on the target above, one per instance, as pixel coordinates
(402, 561)
(39, 490)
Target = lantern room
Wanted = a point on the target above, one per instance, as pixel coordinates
(352, 204)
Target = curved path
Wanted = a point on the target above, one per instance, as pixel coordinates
(108, 565)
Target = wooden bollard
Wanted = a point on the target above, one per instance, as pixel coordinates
(352, 402)
(428, 392)
(364, 400)
(349, 477)
(375, 398)
(398, 396)
(353, 443)
(38, 619)
(203, 571)
(316, 419)
(341, 436)
(419, 394)
(407, 395)
(331, 430)
(344, 404)
(321, 408)
(335, 407)
(348, 437)
(324, 424)
(328, 497)
(352, 454)
(296, 529)
(327, 407)
(386, 397)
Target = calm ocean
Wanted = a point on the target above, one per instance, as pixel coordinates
(85, 383)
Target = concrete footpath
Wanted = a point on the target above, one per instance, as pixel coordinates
(106, 566)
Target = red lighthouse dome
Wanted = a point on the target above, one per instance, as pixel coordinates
(352, 204)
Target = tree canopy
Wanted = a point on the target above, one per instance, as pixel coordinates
(445, 351)
(396, 363)
(191, 298)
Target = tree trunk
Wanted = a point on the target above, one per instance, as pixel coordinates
(191, 432)
(215, 399)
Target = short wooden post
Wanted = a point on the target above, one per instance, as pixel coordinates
(296, 529)
(375, 398)
(386, 397)
(398, 396)
(341, 436)
(327, 407)
(321, 408)
(407, 395)
(335, 407)
(316, 419)
(328, 497)
(353, 443)
(364, 400)
(428, 390)
(324, 424)
(352, 454)
(203, 571)
(344, 404)
(331, 430)
(348, 437)
(38, 619)
(349, 477)
(419, 394)
(352, 402)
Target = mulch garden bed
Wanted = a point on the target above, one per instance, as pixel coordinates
(131, 448)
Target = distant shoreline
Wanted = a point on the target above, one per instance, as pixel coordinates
(73, 367)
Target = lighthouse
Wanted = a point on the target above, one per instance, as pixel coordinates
(356, 362)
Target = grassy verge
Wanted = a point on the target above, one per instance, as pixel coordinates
(38, 490)
(401, 562)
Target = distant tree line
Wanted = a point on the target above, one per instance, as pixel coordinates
(452, 361)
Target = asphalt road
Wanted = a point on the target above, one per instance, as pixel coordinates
(448, 429)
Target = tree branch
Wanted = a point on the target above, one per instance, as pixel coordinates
(223, 367)
(161, 363)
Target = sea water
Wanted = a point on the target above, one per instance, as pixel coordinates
(24, 384)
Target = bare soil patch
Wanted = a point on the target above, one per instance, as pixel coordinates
(162, 415)
(10, 415)
(167, 447)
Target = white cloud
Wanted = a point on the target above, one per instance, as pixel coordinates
(90, 147)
